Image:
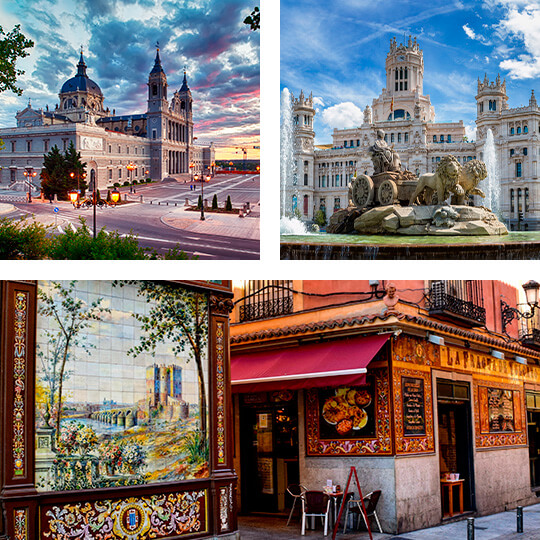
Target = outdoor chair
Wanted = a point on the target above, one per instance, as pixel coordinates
(354, 506)
(295, 491)
(315, 504)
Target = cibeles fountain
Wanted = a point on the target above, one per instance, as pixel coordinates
(393, 214)
(394, 201)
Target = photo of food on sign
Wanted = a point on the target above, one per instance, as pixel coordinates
(346, 412)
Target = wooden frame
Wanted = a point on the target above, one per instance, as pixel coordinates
(207, 506)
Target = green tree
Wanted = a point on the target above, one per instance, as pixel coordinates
(214, 202)
(23, 240)
(55, 175)
(254, 19)
(73, 164)
(71, 316)
(320, 217)
(180, 316)
(13, 45)
(228, 204)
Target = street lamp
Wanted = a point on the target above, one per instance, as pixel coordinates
(131, 167)
(29, 173)
(115, 196)
(191, 165)
(196, 179)
(508, 314)
(74, 197)
(72, 174)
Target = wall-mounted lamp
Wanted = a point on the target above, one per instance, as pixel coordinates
(497, 354)
(437, 340)
(508, 314)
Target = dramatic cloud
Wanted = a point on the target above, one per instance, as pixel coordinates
(205, 37)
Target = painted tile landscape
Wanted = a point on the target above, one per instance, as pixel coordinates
(121, 384)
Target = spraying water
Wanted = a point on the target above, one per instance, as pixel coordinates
(492, 183)
(289, 192)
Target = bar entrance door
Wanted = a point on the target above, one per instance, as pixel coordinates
(455, 447)
(269, 450)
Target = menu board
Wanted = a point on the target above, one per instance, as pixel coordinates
(414, 420)
(500, 409)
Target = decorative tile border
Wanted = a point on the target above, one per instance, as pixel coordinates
(407, 444)
(20, 520)
(220, 393)
(19, 381)
(224, 510)
(380, 445)
(131, 518)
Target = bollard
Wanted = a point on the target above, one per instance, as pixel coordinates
(167, 203)
(519, 516)
(141, 198)
(150, 202)
(470, 528)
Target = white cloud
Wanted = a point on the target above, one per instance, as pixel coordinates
(522, 23)
(470, 131)
(318, 101)
(344, 115)
(469, 31)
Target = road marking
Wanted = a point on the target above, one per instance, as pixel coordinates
(199, 245)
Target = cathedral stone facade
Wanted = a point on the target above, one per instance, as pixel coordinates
(159, 142)
(406, 116)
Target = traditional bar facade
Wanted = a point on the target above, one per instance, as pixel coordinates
(438, 421)
(109, 426)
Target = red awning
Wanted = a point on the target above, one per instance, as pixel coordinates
(330, 363)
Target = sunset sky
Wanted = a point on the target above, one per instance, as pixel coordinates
(221, 55)
(339, 53)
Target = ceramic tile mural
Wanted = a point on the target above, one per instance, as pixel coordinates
(121, 384)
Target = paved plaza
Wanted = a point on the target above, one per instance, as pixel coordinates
(500, 526)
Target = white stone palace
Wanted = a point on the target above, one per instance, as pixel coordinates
(407, 118)
(159, 142)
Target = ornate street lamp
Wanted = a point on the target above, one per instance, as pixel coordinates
(72, 174)
(508, 314)
(29, 173)
(74, 197)
(115, 197)
(131, 167)
(196, 179)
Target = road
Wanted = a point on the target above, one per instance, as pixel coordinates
(161, 222)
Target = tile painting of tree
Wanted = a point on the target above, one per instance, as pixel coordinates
(121, 384)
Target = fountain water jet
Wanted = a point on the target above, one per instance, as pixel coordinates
(289, 224)
(492, 185)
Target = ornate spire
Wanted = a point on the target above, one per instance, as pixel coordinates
(157, 63)
(532, 101)
(81, 66)
(185, 86)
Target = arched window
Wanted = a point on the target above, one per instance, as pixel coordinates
(294, 203)
(511, 131)
(525, 129)
(399, 114)
(518, 130)
(305, 179)
(306, 204)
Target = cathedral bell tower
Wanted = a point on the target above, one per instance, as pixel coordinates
(157, 87)
(186, 105)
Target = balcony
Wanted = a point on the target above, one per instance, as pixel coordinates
(266, 309)
(457, 301)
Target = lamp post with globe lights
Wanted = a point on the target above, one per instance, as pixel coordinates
(131, 167)
(29, 173)
(79, 175)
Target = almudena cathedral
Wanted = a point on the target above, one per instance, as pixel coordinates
(158, 142)
(407, 118)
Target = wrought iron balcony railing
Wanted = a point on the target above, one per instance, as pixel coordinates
(457, 301)
(266, 309)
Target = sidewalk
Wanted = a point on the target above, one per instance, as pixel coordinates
(495, 527)
(219, 224)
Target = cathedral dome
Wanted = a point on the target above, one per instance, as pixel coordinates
(81, 82)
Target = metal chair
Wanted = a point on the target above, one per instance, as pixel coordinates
(315, 504)
(370, 503)
(295, 491)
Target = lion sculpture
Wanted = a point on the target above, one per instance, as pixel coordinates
(442, 182)
(471, 174)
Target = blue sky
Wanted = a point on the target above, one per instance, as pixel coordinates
(338, 51)
(207, 36)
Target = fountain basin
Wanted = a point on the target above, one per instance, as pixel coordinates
(513, 246)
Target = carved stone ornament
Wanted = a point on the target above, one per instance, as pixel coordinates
(220, 305)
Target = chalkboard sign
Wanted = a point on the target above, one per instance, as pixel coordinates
(500, 410)
(414, 420)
